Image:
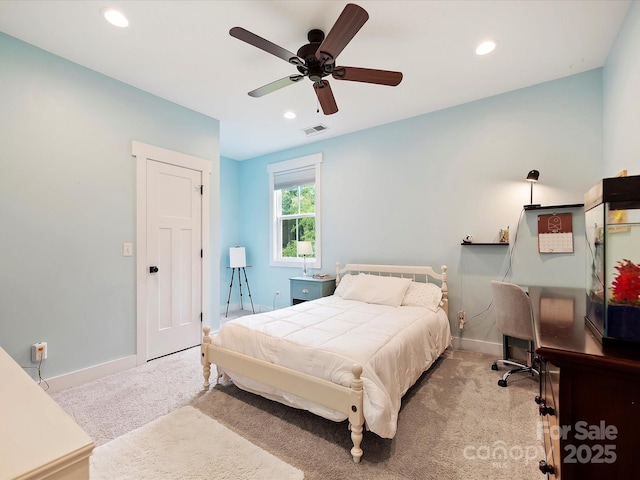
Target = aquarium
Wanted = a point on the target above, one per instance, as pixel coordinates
(612, 229)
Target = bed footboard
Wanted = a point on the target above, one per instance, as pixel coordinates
(356, 421)
(206, 364)
(347, 400)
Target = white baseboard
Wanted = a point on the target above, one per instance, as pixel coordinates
(480, 346)
(78, 377)
(232, 307)
(235, 307)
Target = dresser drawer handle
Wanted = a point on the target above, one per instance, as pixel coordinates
(305, 290)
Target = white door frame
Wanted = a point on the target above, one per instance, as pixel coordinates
(143, 152)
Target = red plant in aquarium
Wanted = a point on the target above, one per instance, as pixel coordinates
(626, 285)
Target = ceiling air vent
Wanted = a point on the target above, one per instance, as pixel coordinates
(315, 130)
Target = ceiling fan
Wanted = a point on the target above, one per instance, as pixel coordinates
(316, 59)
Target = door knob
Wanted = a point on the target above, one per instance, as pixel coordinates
(153, 269)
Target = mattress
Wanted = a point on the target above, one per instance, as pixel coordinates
(327, 336)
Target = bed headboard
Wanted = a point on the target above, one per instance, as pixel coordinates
(414, 272)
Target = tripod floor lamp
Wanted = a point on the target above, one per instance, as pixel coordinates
(237, 262)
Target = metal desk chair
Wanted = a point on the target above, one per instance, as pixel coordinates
(514, 318)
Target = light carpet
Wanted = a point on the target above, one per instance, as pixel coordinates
(186, 444)
(456, 423)
(111, 406)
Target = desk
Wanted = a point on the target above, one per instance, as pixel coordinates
(589, 396)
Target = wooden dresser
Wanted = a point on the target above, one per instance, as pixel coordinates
(589, 397)
(38, 440)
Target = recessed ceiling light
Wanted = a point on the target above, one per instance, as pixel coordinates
(485, 47)
(290, 115)
(115, 17)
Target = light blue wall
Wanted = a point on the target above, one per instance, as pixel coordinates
(622, 99)
(231, 191)
(407, 192)
(67, 204)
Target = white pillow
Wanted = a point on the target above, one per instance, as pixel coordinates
(427, 295)
(346, 281)
(378, 289)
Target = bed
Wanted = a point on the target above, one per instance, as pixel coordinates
(351, 355)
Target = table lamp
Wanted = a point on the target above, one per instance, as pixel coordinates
(304, 249)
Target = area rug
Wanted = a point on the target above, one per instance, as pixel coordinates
(186, 445)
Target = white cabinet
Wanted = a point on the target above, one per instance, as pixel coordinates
(38, 440)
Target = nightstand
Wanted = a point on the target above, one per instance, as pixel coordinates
(309, 288)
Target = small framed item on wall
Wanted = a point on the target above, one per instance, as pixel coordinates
(555, 233)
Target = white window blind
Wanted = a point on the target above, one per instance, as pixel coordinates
(294, 178)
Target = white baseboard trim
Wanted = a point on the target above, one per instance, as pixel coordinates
(79, 377)
(232, 307)
(235, 307)
(480, 346)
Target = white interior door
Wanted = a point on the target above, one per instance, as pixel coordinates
(174, 258)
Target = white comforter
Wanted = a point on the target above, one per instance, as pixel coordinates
(326, 337)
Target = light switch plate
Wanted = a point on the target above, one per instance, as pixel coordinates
(127, 249)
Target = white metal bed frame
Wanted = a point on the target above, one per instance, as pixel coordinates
(347, 400)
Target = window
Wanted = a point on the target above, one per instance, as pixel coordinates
(294, 188)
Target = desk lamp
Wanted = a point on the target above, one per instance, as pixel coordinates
(532, 177)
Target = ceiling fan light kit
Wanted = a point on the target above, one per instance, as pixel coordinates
(316, 59)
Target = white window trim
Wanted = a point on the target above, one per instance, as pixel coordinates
(274, 168)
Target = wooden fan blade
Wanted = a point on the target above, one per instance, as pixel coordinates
(325, 97)
(277, 85)
(263, 44)
(367, 75)
(349, 22)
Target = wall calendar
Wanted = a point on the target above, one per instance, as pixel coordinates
(555, 233)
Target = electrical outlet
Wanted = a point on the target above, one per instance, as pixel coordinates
(277, 293)
(461, 319)
(39, 351)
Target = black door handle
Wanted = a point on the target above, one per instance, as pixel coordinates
(153, 269)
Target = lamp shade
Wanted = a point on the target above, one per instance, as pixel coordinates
(533, 176)
(305, 248)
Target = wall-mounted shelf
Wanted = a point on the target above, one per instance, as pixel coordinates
(553, 207)
(469, 244)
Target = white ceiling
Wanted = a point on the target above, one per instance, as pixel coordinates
(182, 51)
